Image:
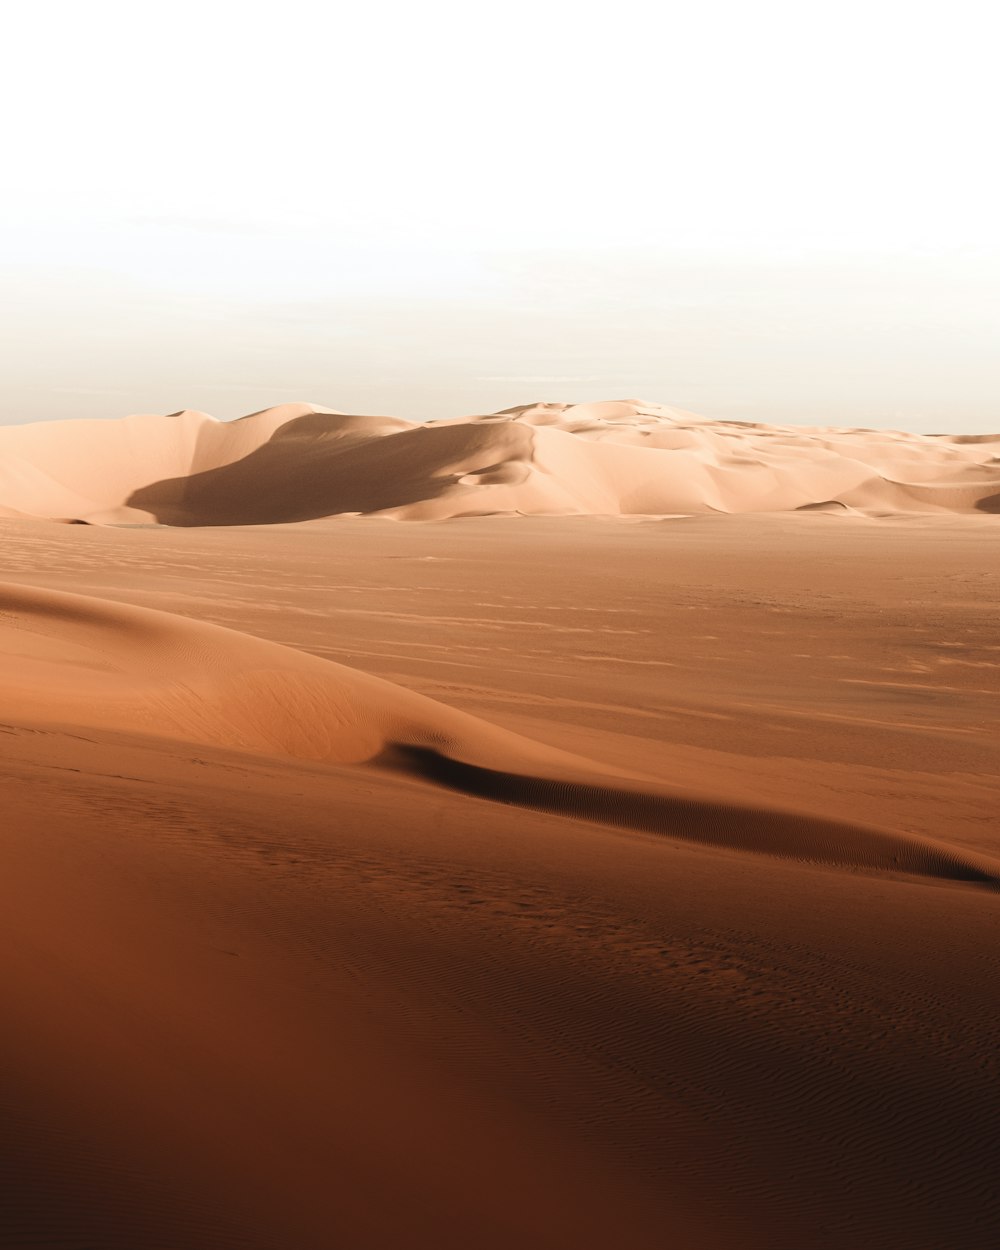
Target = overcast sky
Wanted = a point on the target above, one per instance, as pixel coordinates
(768, 211)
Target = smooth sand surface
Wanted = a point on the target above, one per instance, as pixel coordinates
(513, 881)
(299, 462)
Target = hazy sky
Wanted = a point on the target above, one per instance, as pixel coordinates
(769, 211)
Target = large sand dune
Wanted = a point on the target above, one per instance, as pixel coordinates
(298, 462)
(73, 660)
(568, 883)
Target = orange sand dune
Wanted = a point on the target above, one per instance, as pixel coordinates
(72, 660)
(299, 462)
(566, 883)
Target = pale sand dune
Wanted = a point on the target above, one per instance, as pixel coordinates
(299, 462)
(637, 893)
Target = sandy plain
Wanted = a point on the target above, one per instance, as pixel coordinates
(549, 881)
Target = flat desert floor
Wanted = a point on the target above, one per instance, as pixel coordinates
(648, 900)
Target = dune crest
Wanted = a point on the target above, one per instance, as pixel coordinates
(86, 662)
(299, 462)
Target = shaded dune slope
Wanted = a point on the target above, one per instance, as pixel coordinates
(74, 660)
(299, 462)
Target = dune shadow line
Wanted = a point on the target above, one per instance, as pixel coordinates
(765, 831)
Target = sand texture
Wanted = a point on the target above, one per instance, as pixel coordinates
(563, 882)
(298, 462)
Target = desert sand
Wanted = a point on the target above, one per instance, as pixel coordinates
(623, 876)
(299, 462)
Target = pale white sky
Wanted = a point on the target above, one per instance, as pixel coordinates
(769, 211)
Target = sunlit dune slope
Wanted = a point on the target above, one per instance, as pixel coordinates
(75, 660)
(300, 462)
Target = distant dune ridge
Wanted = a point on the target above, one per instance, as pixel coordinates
(300, 462)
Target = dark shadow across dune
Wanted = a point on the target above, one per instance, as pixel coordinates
(311, 468)
(761, 830)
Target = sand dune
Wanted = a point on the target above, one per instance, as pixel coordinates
(73, 660)
(299, 462)
(567, 884)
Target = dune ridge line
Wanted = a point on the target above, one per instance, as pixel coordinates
(84, 661)
(299, 462)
